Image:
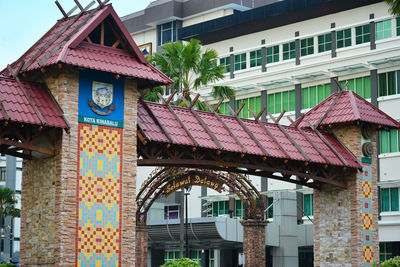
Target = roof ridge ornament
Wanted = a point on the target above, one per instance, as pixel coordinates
(78, 5)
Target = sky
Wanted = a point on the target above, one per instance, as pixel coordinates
(23, 22)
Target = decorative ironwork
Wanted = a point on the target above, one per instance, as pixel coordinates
(164, 181)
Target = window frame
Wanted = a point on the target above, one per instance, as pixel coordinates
(291, 101)
(324, 42)
(288, 52)
(227, 62)
(241, 63)
(272, 54)
(307, 46)
(255, 58)
(383, 29)
(365, 34)
(310, 203)
(346, 40)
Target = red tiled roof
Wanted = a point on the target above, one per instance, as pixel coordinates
(179, 136)
(20, 109)
(350, 107)
(70, 48)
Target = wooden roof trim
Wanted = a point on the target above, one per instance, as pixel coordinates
(179, 120)
(290, 139)
(51, 41)
(150, 112)
(311, 142)
(65, 40)
(27, 95)
(200, 120)
(328, 144)
(244, 150)
(269, 133)
(58, 108)
(247, 130)
(4, 111)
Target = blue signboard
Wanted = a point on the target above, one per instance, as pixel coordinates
(101, 98)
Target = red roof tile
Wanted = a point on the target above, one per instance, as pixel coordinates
(350, 107)
(70, 48)
(19, 109)
(163, 116)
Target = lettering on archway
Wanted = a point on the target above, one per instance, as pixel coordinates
(193, 180)
(164, 181)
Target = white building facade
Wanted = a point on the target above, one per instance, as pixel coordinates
(282, 55)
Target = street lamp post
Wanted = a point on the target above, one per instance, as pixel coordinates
(186, 222)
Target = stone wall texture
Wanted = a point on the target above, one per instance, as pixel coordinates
(59, 199)
(254, 242)
(129, 175)
(338, 225)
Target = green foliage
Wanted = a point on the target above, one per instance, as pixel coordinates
(182, 262)
(394, 262)
(189, 67)
(151, 95)
(7, 264)
(7, 203)
(394, 6)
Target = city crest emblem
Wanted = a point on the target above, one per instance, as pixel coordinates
(102, 95)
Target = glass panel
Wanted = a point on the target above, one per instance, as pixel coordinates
(252, 106)
(385, 199)
(221, 207)
(313, 96)
(285, 100)
(271, 210)
(176, 254)
(320, 93)
(278, 102)
(271, 103)
(393, 140)
(391, 83)
(292, 100)
(170, 255)
(394, 199)
(215, 209)
(398, 26)
(384, 141)
(258, 104)
(304, 98)
(226, 207)
(367, 87)
(359, 86)
(382, 84)
(307, 205)
(398, 81)
(327, 90)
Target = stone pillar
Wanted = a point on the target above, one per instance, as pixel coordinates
(142, 244)
(346, 220)
(78, 207)
(254, 242)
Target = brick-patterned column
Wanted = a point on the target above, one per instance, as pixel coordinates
(346, 220)
(48, 204)
(129, 175)
(142, 242)
(254, 242)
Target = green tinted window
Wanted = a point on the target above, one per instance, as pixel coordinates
(255, 58)
(273, 54)
(384, 29)
(362, 34)
(307, 46)
(270, 213)
(227, 62)
(289, 50)
(240, 61)
(308, 205)
(278, 102)
(384, 141)
(324, 42)
(389, 83)
(343, 38)
(398, 26)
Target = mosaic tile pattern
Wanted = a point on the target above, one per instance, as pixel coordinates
(99, 196)
(366, 198)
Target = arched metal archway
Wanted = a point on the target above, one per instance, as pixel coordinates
(164, 181)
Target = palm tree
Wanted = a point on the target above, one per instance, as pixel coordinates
(394, 6)
(7, 206)
(190, 69)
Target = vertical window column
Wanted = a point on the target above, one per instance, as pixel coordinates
(372, 32)
(374, 87)
(333, 37)
(297, 47)
(263, 57)
(298, 100)
(232, 60)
